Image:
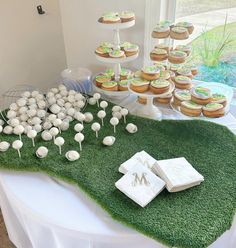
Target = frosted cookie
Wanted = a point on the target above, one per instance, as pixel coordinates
(179, 33)
(125, 44)
(187, 25)
(161, 31)
(123, 85)
(165, 99)
(213, 110)
(139, 85)
(219, 98)
(159, 86)
(190, 108)
(184, 48)
(117, 53)
(182, 82)
(111, 86)
(102, 78)
(165, 74)
(180, 96)
(177, 57)
(158, 54)
(103, 51)
(193, 68)
(150, 72)
(175, 67)
(184, 72)
(201, 95)
(110, 18)
(127, 16)
(163, 46)
(131, 50)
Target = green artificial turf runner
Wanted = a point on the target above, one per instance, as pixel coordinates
(193, 218)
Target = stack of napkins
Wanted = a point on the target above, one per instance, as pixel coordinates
(178, 174)
(146, 177)
(140, 184)
(142, 157)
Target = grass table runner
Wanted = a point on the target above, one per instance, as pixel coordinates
(193, 218)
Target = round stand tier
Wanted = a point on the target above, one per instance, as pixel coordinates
(116, 60)
(148, 110)
(116, 26)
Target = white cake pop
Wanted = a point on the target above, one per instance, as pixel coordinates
(79, 127)
(131, 128)
(41, 113)
(60, 102)
(38, 128)
(54, 132)
(39, 97)
(80, 117)
(36, 120)
(31, 101)
(79, 137)
(92, 101)
(13, 107)
(42, 152)
(64, 126)
(14, 122)
(27, 128)
(68, 118)
(109, 140)
(4, 146)
(2, 122)
(72, 155)
(68, 105)
(58, 96)
(31, 112)
(71, 98)
(80, 104)
(49, 94)
(1, 129)
(114, 122)
(64, 92)
(19, 130)
(21, 102)
(32, 134)
(55, 109)
(117, 115)
(71, 92)
(54, 90)
(101, 115)
(8, 130)
(17, 145)
(22, 110)
(88, 117)
(47, 125)
(52, 117)
(61, 115)
(46, 135)
(59, 141)
(116, 108)
(78, 97)
(97, 96)
(124, 112)
(96, 127)
(24, 117)
(61, 87)
(103, 105)
(71, 111)
(26, 94)
(33, 106)
(11, 114)
(57, 123)
(34, 93)
(42, 104)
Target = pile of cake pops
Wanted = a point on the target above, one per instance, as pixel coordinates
(35, 114)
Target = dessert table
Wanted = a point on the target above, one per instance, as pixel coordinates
(40, 211)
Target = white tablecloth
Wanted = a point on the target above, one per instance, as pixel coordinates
(40, 212)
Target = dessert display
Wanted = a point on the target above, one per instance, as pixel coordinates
(114, 17)
(114, 81)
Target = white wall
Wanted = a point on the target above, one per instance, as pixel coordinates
(82, 34)
(31, 46)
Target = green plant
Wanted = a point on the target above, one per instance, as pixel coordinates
(214, 45)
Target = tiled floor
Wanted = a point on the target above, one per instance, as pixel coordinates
(4, 240)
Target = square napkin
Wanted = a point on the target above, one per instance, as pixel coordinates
(140, 184)
(178, 174)
(142, 157)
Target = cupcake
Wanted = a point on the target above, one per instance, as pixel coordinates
(201, 95)
(165, 99)
(150, 72)
(184, 72)
(159, 86)
(183, 82)
(125, 74)
(131, 50)
(117, 53)
(187, 25)
(184, 48)
(127, 16)
(190, 108)
(111, 86)
(180, 96)
(179, 33)
(213, 110)
(165, 75)
(175, 67)
(139, 85)
(177, 57)
(161, 31)
(123, 85)
(110, 73)
(102, 78)
(158, 54)
(219, 98)
(103, 51)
